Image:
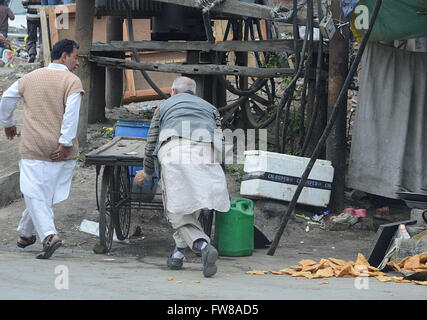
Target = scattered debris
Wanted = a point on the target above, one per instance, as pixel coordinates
(92, 227)
(331, 267)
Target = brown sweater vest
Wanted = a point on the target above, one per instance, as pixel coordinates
(45, 92)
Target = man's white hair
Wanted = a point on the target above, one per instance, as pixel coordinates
(184, 84)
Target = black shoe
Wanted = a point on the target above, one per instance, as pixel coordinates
(209, 257)
(32, 59)
(175, 263)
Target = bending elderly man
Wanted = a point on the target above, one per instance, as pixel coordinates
(49, 146)
(183, 146)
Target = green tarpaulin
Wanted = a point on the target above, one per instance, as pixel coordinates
(396, 20)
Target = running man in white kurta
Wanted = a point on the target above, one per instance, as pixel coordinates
(49, 146)
(185, 142)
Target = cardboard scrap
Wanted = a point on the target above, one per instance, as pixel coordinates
(331, 267)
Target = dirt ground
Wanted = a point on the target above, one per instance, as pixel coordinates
(300, 239)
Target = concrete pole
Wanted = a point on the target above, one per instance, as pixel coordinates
(114, 79)
(85, 11)
(338, 70)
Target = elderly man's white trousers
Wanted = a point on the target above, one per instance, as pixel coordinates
(43, 184)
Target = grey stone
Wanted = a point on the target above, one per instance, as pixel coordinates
(9, 188)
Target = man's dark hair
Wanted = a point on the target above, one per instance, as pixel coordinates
(2, 2)
(62, 46)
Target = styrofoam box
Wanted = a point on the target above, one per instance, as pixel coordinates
(276, 176)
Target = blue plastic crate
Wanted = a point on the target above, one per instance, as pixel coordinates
(135, 128)
(131, 128)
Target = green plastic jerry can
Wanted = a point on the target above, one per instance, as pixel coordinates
(234, 230)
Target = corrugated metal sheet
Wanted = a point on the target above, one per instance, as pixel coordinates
(139, 7)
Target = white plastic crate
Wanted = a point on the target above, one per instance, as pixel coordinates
(276, 176)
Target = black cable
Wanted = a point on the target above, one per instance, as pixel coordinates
(310, 30)
(317, 84)
(289, 88)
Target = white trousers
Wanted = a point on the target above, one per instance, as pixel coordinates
(43, 184)
(37, 217)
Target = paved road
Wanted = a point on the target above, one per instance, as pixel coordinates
(73, 275)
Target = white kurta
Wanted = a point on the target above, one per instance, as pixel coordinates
(191, 180)
(43, 183)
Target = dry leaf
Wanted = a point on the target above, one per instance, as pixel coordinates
(402, 262)
(394, 266)
(297, 268)
(412, 263)
(402, 281)
(307, 262)
(276, 272)
(170, 278)
(323, 282)
(301, 274)
(288, 271)
(197, 281)
(324, 273)
(180, 282)
(347, 270)
(309, 268)
(361, 260)
(256, 272)
(423, 283)
(338, 261)
(384, 279)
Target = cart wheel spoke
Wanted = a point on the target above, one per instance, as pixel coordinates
(106, 229)
(122, 201)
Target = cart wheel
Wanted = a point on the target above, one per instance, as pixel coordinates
(106, 229)
(205, 219)
(122, 199)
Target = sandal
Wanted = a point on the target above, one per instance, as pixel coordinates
(49, 248)
(29, 241)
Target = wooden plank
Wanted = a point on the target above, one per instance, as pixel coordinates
(221, 46)
(45, 36)
(130, 79)
(203, 69)
(232, 8)
(54, 35)
(144, 95)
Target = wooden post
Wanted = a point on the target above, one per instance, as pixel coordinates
(336, 143)
(85, 11)
(241, 60)
(45, 36)
(96, 112)
(203, 83)
(114, 80)
(130, 79)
